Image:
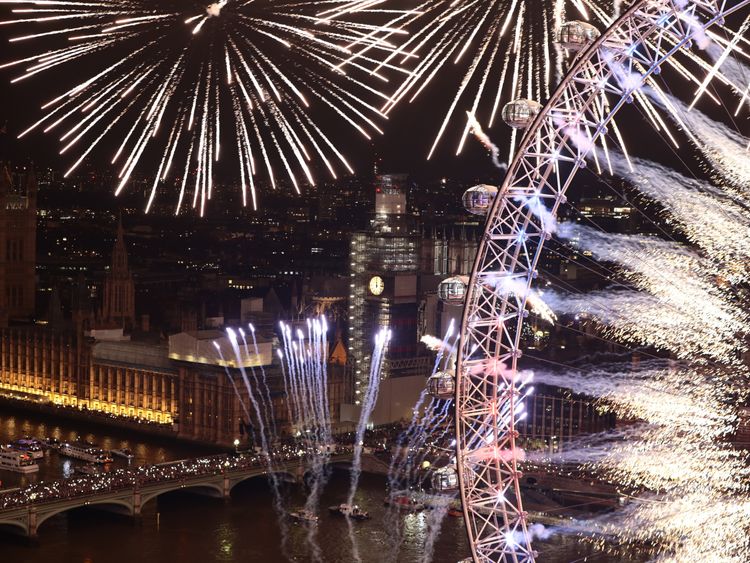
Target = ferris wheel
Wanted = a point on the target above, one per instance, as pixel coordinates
(610, 69)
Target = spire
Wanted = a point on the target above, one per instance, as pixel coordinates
(31, 183)
(118, 305)
(6, 183)
(54, 309)
(119, 252)
(338, 354)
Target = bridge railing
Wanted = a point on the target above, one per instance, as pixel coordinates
(144, 476)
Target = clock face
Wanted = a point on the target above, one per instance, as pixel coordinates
(376, 285)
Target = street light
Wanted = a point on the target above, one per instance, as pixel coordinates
(236, 445)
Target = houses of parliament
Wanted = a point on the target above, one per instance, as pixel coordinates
(98, 361)
(92, 363)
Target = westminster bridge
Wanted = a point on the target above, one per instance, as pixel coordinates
(126, 491)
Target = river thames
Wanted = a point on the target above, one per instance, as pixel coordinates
(189, 528)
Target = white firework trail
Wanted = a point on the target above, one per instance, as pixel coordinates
(725, 149)
(659, 392)
(713, 333)
(427, 418)
(530, 297)
(261, 416)
(707, 215)
(164, 77)
(483, 138)
(671, 272)
(305, 358)
(501, 48)
(382, 339)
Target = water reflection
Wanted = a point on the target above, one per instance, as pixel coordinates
(192, 529)
(67, 468)
(15, 425)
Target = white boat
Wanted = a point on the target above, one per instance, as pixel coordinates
(30, 446)
(18, 461)
(303, 516)
(124, 452)
(349, 511)
(85, 452)
(88, 469)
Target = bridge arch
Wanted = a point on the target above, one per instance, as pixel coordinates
(212, 489)
(13, 526)
(283, 474)
(122, 506)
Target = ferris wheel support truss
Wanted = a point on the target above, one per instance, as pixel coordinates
(489, 390)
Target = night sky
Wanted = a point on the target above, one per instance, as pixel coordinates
(403, 148)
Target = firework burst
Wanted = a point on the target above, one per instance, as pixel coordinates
(164, 77)
(504, 50)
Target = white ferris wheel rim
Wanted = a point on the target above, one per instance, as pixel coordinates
(487, 458)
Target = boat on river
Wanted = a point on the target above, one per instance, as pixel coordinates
(349, 511)
(29, 445)
(404, 502)
(17, 461)
(88, 469)
(303, 516)
(85, 452)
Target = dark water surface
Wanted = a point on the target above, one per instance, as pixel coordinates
(181, 527)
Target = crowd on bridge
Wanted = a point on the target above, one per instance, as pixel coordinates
(377, 441)
(120, 479)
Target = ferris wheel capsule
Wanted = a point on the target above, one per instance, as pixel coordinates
(444, 479)
(576, 35)
(478, 200)
(521, 113)
(453, 290)
(442, 385)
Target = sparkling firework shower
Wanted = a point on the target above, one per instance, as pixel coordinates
(171, 85)
(504, 50)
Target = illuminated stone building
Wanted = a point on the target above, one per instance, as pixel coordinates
(184, 386)
(18, 194)
(93, 367)
(384, 263)
(118, 304)
(555, 418)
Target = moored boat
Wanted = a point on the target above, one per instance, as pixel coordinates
(303, 516)
(51, 443)
(88, 469)
(85, 452)
(17, 461)
(349, 511)
(29, 445)
(404, 502)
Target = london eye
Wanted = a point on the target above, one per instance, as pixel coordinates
(574, 129)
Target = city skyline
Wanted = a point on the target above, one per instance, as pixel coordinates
(452, 281)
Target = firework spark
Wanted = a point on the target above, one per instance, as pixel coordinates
(505, 50)
(164, 80)
(707, 215)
